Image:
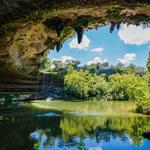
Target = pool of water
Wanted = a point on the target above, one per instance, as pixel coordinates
(74, 130)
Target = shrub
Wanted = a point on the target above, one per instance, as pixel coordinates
(76, 84)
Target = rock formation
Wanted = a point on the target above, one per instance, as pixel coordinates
(29, 29)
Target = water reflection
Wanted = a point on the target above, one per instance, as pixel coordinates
(8, 99)
(50, 132)
(104, 128)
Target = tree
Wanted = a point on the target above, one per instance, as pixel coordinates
(118, 85)
(58, 64)
(98, 86)
(82, 84)
(120, 66)
(74, 63)
(45, 65)
(130, 69)
(148, 63)
(106, 65)
(138, 92)
(76, 84)
(92, 68)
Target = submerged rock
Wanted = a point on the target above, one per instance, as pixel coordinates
(146, 134)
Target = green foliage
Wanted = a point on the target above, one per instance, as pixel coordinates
(84, 126)
(118, 86)
(77, 84)
(139, 92)
(70, 69)
(98, 86)
(148, 64)
(132, 87)
(81, 84)
(45, 65)
(73, 63)
(93, 68)
(58, 65)
(130, 69)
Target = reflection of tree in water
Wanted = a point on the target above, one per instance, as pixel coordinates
(14, 98)
(106, 127)
(43, 139)
(75, 129)
(90, 127)
(9, 99)
(136, 129)
(70, 131)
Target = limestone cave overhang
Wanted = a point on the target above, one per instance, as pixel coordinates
(29, 29)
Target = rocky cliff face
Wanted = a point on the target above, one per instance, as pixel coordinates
(30, 28)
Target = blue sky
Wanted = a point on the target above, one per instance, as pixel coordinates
(128, 45)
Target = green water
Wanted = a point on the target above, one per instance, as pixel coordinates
(88, 107)
(56, 125)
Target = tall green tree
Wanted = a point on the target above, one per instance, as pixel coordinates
(130, 69)
(58, 64)
(76, 84)
(148, 63)
(72, 62)
(98, 86)
(92, 68)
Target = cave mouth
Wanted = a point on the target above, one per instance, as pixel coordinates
(107, 50)
(105, 47)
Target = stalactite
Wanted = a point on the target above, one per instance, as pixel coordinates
(80, 33)
(118, 26)
(112, 27)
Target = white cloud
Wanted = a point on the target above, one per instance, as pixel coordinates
(134, 34)
(84, 44)
(97, 60)
(98, 50)
(127, 58)
(64, 58)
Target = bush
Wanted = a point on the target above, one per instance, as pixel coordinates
(98, 86)
(81, 84)
(132, 87)
(118, 86)
(76, 84)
